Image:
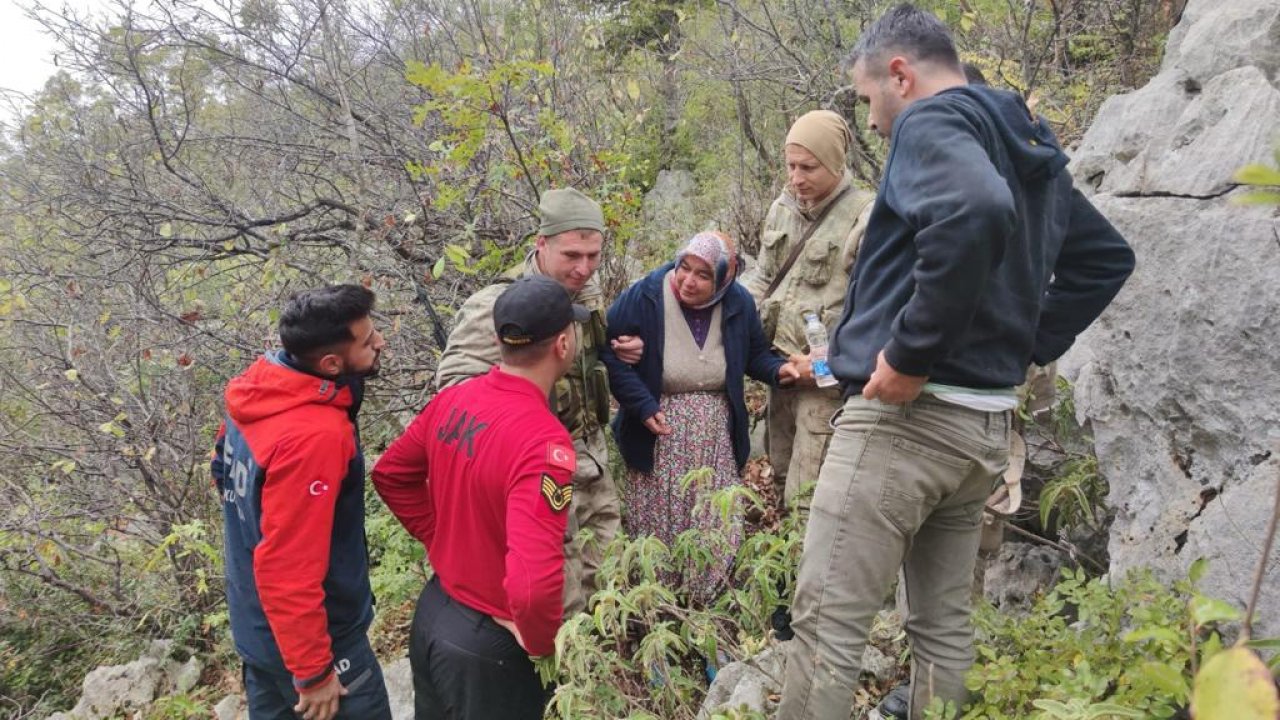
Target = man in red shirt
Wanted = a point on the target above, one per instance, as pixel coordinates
(483, 477)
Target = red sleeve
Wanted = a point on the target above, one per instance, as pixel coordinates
(538, 502)
(400, 477)
(299, 494)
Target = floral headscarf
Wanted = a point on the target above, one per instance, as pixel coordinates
(718, 251)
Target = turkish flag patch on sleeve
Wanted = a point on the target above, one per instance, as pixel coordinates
(562, 457)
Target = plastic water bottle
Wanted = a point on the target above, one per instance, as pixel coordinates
(816, 333)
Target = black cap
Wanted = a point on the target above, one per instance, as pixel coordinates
(534, 308)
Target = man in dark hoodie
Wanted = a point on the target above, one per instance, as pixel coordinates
(979, 257)
(290, 472)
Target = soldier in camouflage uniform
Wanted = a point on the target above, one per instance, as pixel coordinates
(819, 192)
(568, 249)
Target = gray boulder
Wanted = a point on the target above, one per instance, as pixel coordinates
(746, 684)
(1221, 35)
(668, 210)
(399, 677)
(754, 684)
(122, 689)
(230, 708)
(1178, 380)
(1020, 573)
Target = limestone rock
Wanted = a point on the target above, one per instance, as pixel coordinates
(230, 708)
(751, 683)
(747, 683)
(1019, 573)
(879, 665)
(112, 690)
(1216, 36)
(668, 211)
(399, 678)
(183, 677)
(1217, 128)
(1242, 513)
(1178, 380)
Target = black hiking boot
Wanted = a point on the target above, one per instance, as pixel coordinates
(780, 620)
(894, 705)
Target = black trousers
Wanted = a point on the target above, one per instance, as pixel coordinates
(467, 667)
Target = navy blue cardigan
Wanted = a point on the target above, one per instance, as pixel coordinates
(639, 311)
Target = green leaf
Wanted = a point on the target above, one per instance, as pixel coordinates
(1206, 610)
(1197, 570)
(1261, 197)
(1258, 175)
(111, 428)
(1167, 678)
(1264, 644)
(457, 254)
(72, 374)
(1210, 647)
(1235, 685)
(1154, 632)
(166, 230)
(438, 269)
(633, 89)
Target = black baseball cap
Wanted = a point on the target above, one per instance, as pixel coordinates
(534, 308)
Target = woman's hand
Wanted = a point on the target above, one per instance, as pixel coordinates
(657, 424)
(788, 374)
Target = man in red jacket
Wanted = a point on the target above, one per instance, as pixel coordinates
(483, 477)
(289, 471)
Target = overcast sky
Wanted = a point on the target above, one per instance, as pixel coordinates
(26, 54)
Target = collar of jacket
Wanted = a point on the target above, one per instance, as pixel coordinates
(651, 289)
(812, 212)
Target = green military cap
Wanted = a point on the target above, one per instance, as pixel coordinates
(566, 209)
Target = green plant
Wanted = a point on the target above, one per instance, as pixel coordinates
(1076, 495)
(643, 650)
(1091, 650)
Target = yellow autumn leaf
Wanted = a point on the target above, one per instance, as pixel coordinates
(1235, 685)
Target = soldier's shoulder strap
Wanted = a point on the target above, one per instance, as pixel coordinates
(795, 251)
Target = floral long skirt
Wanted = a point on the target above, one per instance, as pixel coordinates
(666, 502)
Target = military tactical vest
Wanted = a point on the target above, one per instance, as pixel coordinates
(580, 399)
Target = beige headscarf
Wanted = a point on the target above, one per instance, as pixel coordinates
(826, 135)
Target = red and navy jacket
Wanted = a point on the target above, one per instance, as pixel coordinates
(483, 477)
(290, 472)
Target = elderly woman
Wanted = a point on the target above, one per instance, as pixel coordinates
(682, 404)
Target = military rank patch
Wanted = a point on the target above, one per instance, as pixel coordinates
(557, 496)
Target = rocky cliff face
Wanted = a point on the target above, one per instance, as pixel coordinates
(1180, 380)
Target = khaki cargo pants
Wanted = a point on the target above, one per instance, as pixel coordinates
(903, 487)
(797, 433)
(595, 508)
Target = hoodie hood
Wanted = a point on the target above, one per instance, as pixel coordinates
(1031, 145)
(272, 385)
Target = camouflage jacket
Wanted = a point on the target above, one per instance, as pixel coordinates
(819, 279)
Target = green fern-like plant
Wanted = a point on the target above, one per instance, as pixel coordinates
(1076, 495)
